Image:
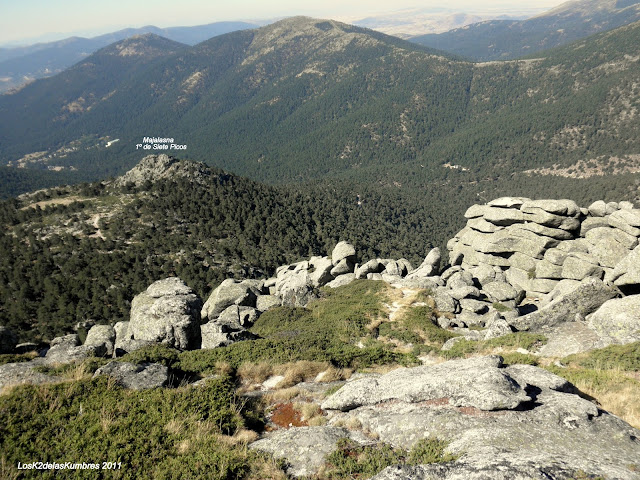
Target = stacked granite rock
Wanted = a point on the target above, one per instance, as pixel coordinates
(297, 284)
(232, 308)
(539, 243)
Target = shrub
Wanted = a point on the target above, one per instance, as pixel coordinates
(158, 433)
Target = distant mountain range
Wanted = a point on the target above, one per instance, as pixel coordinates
(306, 99)
(509, 39)
(21, 64)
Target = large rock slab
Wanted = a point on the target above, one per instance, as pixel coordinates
(216, 335)
(296, 288)
(627, 270)
(125, 343)
(342, 280)
(24, 373)
(67, 349)
(305, 449)
(343, 251)
(569, 338)
(555, 435)
(430, 266)
(618, 320)
(581, 300)
(578, 266)
(477, 382)
(626, 220)
(136, 377)
(229, 292)
(322, 271)
(103, 338)
(167, 312)
(567, 208)
(609, 245)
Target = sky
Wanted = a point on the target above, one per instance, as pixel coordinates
(31, 19)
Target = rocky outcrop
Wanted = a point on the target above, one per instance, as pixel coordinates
(230, 292)
(24, 373)
(103, 338)
(540, 242)
(617, 321)
(233, 307)
(157, 167)
(304, 448)
(167, 312)
(517, 422)
(136, 377)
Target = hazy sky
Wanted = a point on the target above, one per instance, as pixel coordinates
(24, 19)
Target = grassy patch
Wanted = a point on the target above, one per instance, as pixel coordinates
(499, 307)
(353, 461)
(614, 390)
(17, 358)
(504, 346)
(327, 331)
(161, 354)
(421, 320)
(159, 433)
(621, 357)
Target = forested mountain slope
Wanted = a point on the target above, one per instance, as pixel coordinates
(509, 39)
(304, 99)
(72, 254)
(22, 64)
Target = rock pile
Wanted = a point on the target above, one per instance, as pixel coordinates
(157, 167)
(539, 243)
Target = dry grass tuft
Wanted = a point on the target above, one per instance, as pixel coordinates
(175, 426)
(7, 471)
(244, 436)
(184, 446)
(619, 395)
(254, 372)
(350, 423)
(107, 420)
(302, 371)
(333, 374)
(283, 395)
(267, 469)
(80, 371)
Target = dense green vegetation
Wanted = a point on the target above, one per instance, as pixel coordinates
(55, 270)
(326, 331)
(159, 433)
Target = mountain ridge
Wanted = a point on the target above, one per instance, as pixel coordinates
(46, 59)
(307, 99)
(506, 40)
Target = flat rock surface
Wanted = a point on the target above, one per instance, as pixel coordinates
(555, 435)
(569, 338)
(477, 382)
(23, 372)
(136, 377)
(304, 448)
